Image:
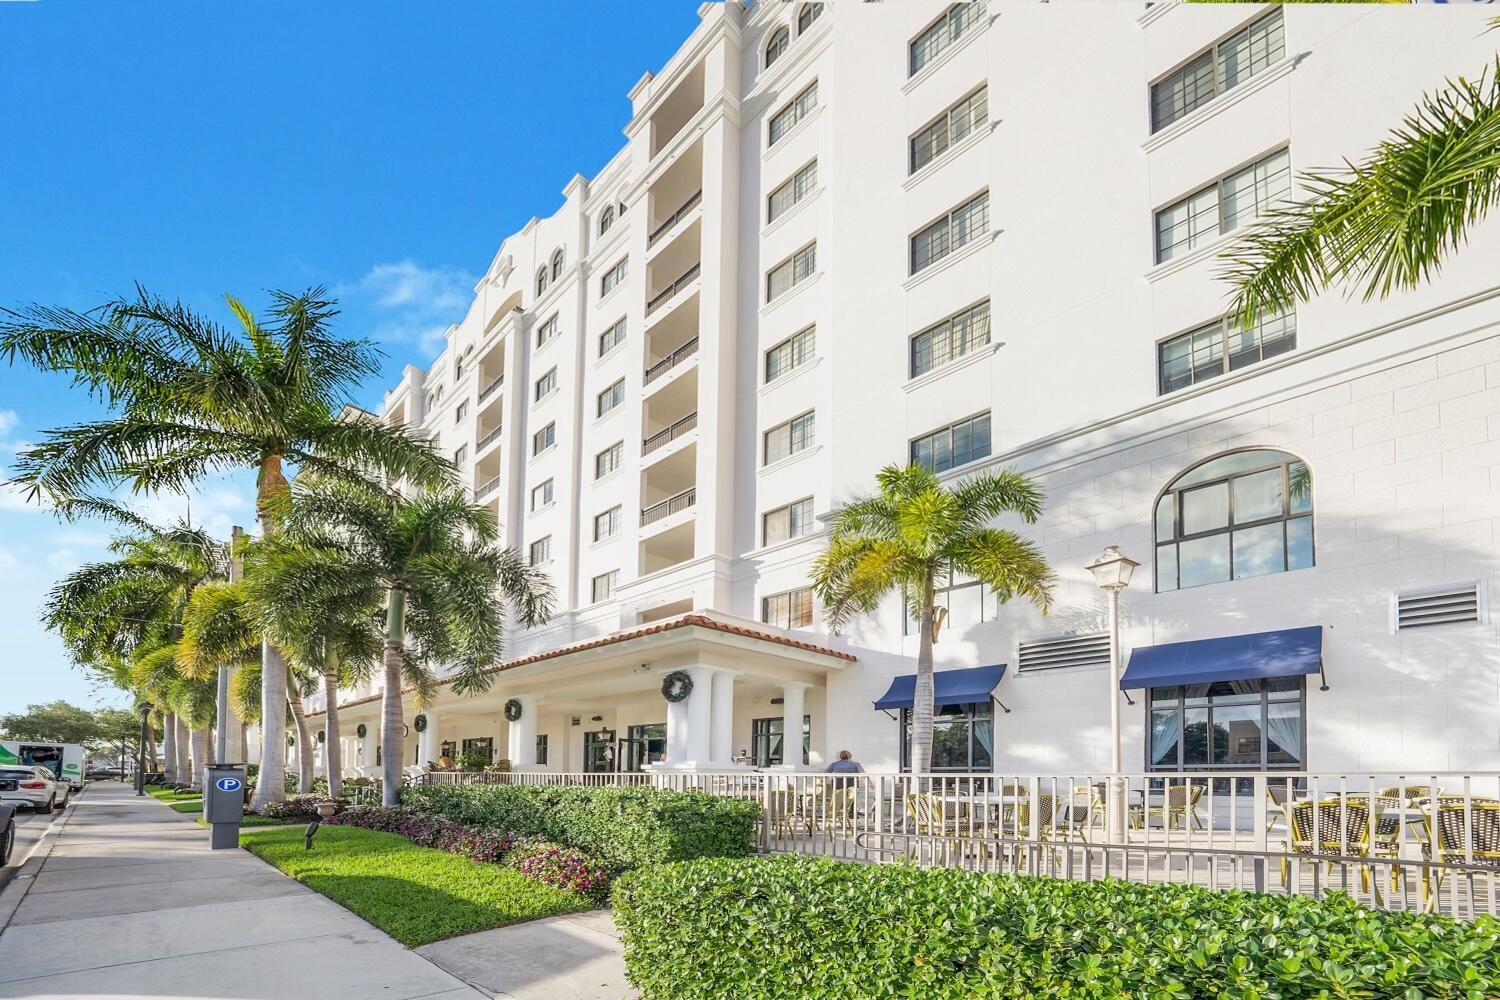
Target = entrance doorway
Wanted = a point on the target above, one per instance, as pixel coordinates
(644, 745)
(599, 751)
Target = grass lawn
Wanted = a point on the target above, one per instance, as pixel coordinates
(415, 894)
(251, 819)
(170, 795)
(187, 805)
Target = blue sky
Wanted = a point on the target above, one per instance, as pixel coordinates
(381, 149)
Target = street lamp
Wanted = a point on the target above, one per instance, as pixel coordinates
(140, 755)
(1112, 572)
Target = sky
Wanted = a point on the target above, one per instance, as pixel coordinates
(380, 149)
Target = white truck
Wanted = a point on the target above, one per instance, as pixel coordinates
(63, 759)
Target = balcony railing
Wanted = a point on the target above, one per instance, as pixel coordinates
(493, 435)
(488, 487)
(672, 433)
(661, 297)
(489, 390)
(667, 508)
(673, 219)
(671, 361)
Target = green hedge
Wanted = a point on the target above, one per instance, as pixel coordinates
(622, 827)
(800, 927)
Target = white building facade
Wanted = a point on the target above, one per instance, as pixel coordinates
(978, 236)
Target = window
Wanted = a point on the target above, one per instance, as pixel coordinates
(541, 749)
(612, 278)
(784, 523)
(608, 524)
(963, 737)
(951, 339)
(604, 585)
(792, 609)
(957, 444)
(1237, 725)
(1244, 514)
(544, 439)
(542, 280)
(799, 108)
(789, 438)
(541, 495)
(557, 264)
(1223, 206)
(460, 454)
(1236, 59)
(609, 459)
(541, 551)
(458, 369)
(766, 743)
(958, 21)
(969, 602)
(547, 330)
(481, 744)
(461, 412)
(791, 353)
(948, 128)
(799, 186)
(606, 219)
(958, 228)
(1220, 347)
(809, 13)
(791, 272)
(612, 338)
(611, 397)
(546, 384)
(780, 39)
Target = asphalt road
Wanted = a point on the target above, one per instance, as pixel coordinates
(29, 829)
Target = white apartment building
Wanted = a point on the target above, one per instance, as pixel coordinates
(981, 235)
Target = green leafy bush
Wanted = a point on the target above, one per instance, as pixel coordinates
(802, 927)
(622, 827)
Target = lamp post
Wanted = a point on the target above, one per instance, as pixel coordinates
(140, 756)
(1112, 573)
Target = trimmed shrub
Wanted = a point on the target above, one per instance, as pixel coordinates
(298, 806)
(564, 867)
(623, 827)
(805, 927)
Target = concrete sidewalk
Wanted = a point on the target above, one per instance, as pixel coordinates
(127, 900)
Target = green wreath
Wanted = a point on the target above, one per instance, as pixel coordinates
(360, 730)
(322, 735)
(513, 710)
(420, 723)
(676, 686)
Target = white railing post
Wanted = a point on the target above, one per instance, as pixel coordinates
(1261, 814)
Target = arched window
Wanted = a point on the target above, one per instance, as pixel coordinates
(557, 264)
(1244, 514)
(541, 281)
(809, 13)
(780, 39)
(606, 219)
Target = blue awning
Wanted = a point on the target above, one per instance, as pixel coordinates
(949, 687)
(1288, 652)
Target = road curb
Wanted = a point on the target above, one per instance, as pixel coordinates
(20, 884)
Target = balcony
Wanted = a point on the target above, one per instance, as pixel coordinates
(490, 438)
(670, 506)
(491, 388)
(677, 109)
(671, 361)
(487, 488)
(682, 212)
(665, 295)
(665, 437)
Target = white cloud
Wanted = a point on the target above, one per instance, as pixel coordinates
(414, 304)
(9, 421)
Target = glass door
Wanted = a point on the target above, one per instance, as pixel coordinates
(599, 751)
(645, 745)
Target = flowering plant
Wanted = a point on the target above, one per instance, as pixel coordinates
(565, 867)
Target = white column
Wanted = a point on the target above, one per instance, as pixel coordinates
(721, 727)
(699, 714)
(523, 735)
(367, 749)
(428, 740)
(792, 701)
(677, 730)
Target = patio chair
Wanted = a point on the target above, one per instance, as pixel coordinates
(1446, 839)
(838, 809)
(788, 812)
(1332, 828)
(1411, 795)
(1179, 804)
(1278, 793)
(932, 816)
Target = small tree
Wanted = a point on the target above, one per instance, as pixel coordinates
(912, 529)
(53, 722)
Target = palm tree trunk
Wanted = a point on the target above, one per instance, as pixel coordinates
(150, 748)
(391, 749)
(270, 786)
(332, 752)
(201, 741)
(921, 703)
(304, 744)
(241, 751)
(169, 747)
(184, 766)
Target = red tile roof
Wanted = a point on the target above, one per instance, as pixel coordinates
(702, 621)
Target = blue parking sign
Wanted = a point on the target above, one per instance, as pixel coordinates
(227, 784)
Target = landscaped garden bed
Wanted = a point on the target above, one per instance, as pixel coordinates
(803, 927)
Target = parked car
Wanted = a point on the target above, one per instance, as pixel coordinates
(7, 833)
(36, 787)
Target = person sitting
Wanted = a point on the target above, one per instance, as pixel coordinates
(845, 765)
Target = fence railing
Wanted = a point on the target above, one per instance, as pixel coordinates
(491, 387)
(660, 298)
(1392, 840)
(493, 435)
(670, 506)
(673, 219)
(488, 487)
(677, 430)
(671, 361)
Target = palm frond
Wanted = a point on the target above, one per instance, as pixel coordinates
(1010, 565)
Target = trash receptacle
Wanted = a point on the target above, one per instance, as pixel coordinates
(224, 804)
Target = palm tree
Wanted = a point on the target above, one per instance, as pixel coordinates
(446, 598)
(193, 398)
(1387, 222)
(910, 531)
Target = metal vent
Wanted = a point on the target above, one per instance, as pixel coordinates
(1067, 651)
(1437, 607)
